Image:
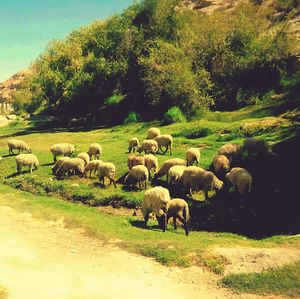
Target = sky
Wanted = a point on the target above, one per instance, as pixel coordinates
(26, 26)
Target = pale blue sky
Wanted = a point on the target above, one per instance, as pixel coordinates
(26, 26)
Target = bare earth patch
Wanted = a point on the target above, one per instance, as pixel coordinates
(249, 260)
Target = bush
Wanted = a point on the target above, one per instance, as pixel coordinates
(132, 117)
(196, 133)
(173, 115)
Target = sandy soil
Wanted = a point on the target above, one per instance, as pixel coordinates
(44, 259)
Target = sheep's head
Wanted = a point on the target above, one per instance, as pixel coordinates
(28, 150)
(139, 150)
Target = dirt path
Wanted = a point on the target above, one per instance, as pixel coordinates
(44, 259)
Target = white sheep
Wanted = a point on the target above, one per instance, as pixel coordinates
(220, 165)
(199, 179)
(58, 163)
(62, 149)
(164, 169)
(85, 157)
(232, 151)
(192, 155)
(148, 146)
(137, 174)
(20, 145)
(92, 166)
(134, 160)
(178, 208)
(95, 149)
(108, 170)
(71, 166)
(175, 174)
(255, 146)
(165, 140)
(156, 200)
(241, 179)
(133, 144)
(152, 133)
(29, 160)
(151, 162)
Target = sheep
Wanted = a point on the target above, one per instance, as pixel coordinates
(241, 179)
(85, 157)
(107, 169)
(59, 162)
(164, 169)
(165, 140)
(95, 149)
(199, 179)
(156, 200)
(148, 146)
(137, 174)
(152, 133)
(232, 151)
(134, 160)
(29, 160)
(255, 146)
(151, 162)
(92, 166)
(62, 149)
(72, 165)
(175, 174)
(178, 208)
(220, 165)
(133, 144)
(19, 145)
(192, 155)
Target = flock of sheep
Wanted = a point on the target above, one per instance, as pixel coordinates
(180, 172)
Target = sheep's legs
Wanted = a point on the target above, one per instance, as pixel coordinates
(185, 224)
(113, 181)
(146, 217)
(174, 222)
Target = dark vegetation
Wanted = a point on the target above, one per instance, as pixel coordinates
(153, 60)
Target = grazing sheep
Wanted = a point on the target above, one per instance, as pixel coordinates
(59, 162)
(107, 169)
(175, 174)
(151, 162)
(220, 166)
(95, 149)
(137, 174)
(148, 146)
(62, 149)
(255, 146)
(192, 155)
(85, 157)
(232, 151)
(178, 208)
(164, 169)
(71, 166)
(92, 166)
(156, 200)
(199, 179)
(241, 179)
(19, 145)
(152, 133)
(134, 160)
(165, 140)
(133, 144)
(29, 160)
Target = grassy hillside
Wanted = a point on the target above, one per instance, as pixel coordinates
(208, 132)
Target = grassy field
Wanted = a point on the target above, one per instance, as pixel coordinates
(55, 198)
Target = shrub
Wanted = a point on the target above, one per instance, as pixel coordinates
(173, 115)
(132, 117)
(196, 132)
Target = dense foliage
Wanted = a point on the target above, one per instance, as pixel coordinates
(153, 57)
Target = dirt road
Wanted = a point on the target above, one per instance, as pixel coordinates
(44, 259)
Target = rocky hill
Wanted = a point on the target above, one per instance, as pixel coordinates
(7, 89)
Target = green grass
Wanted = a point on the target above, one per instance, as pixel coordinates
(209, 133)
(280, 281)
